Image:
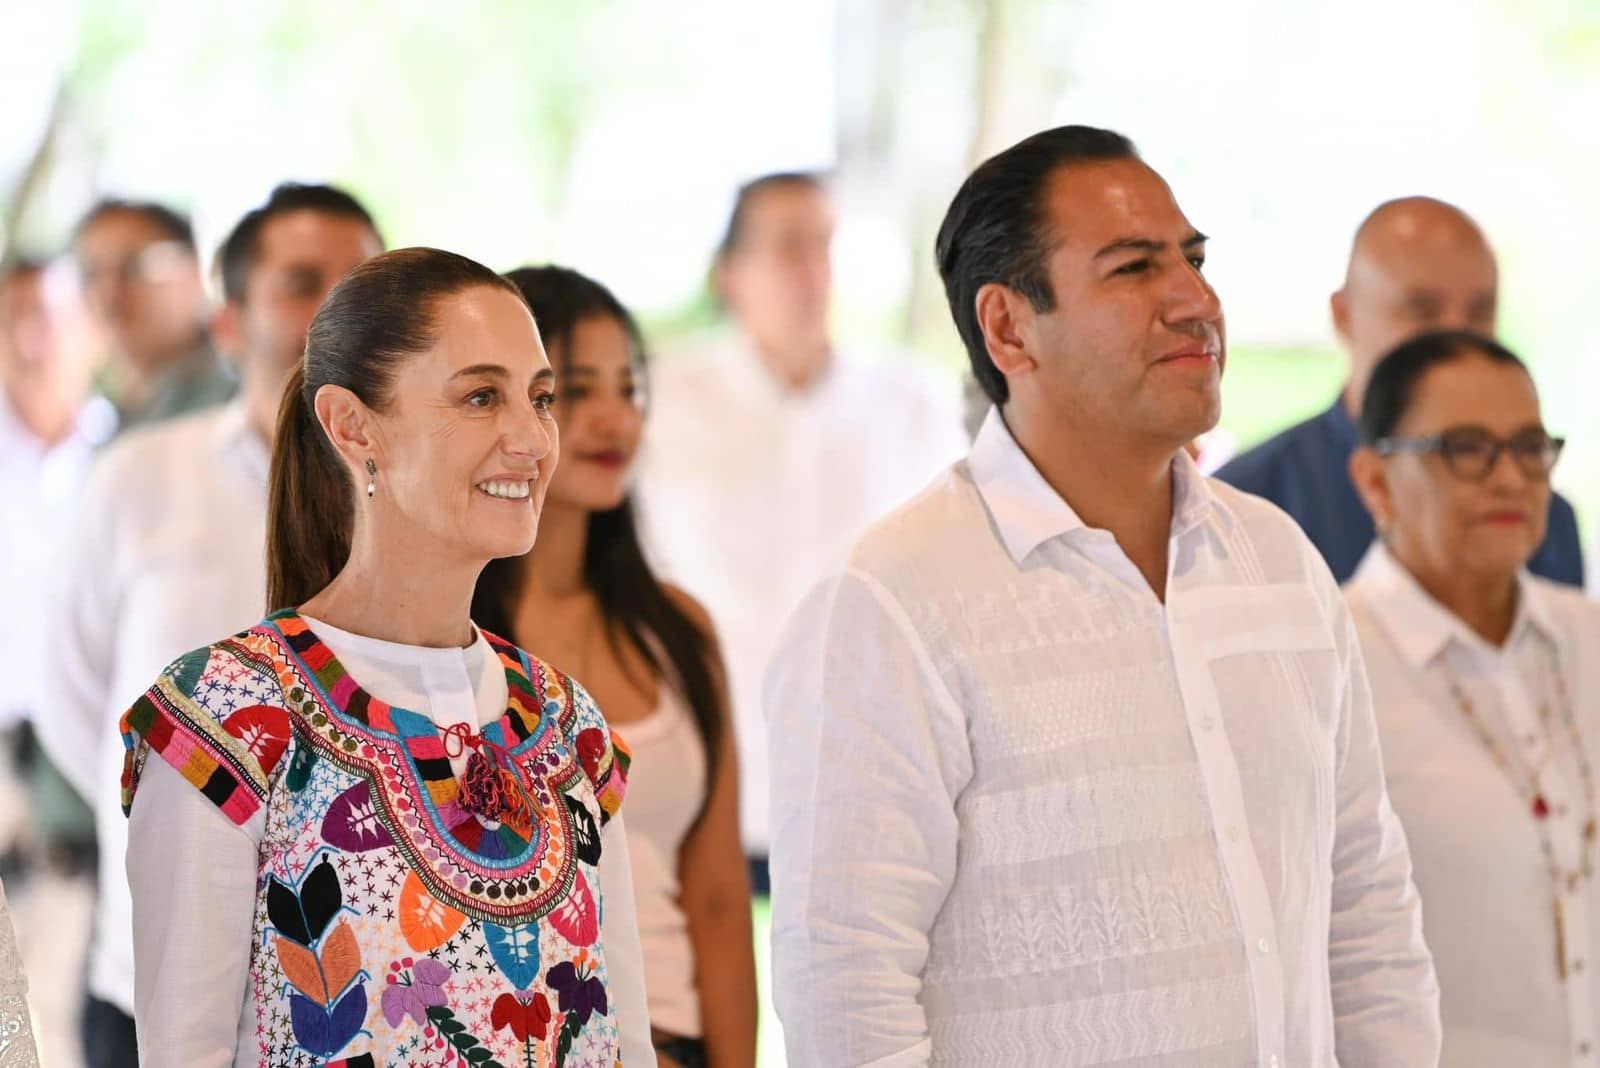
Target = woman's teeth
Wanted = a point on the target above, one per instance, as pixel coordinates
(514, 491)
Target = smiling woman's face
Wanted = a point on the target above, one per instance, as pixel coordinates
(468, 441)
(601, 413)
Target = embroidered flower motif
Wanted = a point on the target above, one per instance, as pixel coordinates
(580, 993)
(524, 1016)
(414, 986)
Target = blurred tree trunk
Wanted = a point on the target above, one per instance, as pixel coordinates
(31, 181)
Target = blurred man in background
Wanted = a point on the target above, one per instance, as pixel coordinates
(170, 545)
(142, 282)
(771, 450)
(50, 425)
(1417, 264)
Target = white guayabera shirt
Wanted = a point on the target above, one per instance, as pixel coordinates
(1026, 814)
(1487, 895)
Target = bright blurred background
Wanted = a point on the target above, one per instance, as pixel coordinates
(610, 135)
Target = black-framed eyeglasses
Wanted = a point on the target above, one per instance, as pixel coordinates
(1470, 452)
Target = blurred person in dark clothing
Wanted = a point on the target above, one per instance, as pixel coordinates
(1417, 264)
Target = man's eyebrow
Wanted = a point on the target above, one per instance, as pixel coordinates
(1146, 244)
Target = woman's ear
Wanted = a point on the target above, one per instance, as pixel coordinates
(1004, 316)
(348, 423)
(1371, 480)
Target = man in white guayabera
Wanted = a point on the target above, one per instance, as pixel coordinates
(1075, 761)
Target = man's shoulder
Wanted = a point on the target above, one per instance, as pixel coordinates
(1281, 547)
(940, 523)
(169, 438)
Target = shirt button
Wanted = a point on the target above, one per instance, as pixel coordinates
(1264, 946)
(1233, 832)
(1530, 740)
(1207, 723)
(1583, 1049)
(1577, 966)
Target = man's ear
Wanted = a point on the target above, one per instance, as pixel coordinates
(1372, 486)
(1339, 308)
(348, 423)
(1004, 316)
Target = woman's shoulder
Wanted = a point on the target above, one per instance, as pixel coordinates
(696, 612)
(1567, 608)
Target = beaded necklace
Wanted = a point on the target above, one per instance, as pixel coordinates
(1524, 778)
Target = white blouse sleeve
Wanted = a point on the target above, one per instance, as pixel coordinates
(619, 933)
(192, 873)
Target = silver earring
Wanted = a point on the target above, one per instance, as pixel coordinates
(372, 477)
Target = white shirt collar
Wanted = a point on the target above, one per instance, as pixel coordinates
(1420, 626)
(1029, 512)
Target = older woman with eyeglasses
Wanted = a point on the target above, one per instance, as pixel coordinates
(1486, 682)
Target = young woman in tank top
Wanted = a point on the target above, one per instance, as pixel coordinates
(587, 601)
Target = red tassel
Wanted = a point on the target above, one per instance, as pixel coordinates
(1541, 809)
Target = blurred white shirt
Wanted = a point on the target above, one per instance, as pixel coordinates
(38, 485)
(750, 492)
(167, 553)
(1026, 814)
(1488, 902)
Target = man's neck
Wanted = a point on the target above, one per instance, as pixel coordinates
(795, 367)
(1111, 484)
(43, 413)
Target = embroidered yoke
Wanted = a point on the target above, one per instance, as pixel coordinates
(398, 922)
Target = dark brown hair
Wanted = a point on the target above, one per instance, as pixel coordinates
(633, 602)
(381, 314)
(997, 229)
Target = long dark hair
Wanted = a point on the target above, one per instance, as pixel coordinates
(381, 314)
(633, 602)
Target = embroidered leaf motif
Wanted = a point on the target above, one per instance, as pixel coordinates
(299, 966)
(347, 1017)
(576, 918)
(283, 909)
(341, 958)
(188, 668)
(515, 951)
(456, 1033)
(320, 897)
(352, 823)
(299, 774)
(263, 730)
(426, 922)
(585, 835)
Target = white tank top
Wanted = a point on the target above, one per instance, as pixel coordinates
(666, 789)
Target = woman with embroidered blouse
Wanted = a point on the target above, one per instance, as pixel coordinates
(365, 832)
(1486, 683)
(586, 599)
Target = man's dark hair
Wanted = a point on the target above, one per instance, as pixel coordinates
(739, 219)
(174, 225)
(1393, 385)
(238, 252)
(997, 230)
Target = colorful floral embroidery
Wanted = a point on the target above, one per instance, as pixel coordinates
(490, 929)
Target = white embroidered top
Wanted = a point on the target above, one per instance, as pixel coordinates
(1487, 895)
(16, 1030)
(1027, 814)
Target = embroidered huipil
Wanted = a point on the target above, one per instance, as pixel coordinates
(392, 926)
(1027, 814)
(1488, 899)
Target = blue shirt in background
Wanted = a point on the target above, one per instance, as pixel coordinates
(1306, 471)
